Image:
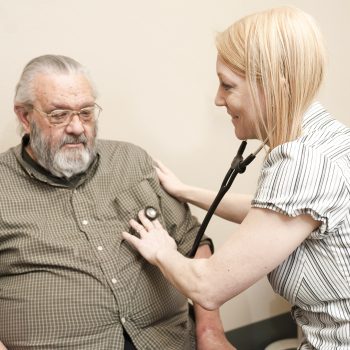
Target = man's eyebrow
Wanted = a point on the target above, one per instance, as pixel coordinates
(66, 106)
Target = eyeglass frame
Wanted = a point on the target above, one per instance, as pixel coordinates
(71, 115)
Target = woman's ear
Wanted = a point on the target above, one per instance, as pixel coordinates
(22, 115)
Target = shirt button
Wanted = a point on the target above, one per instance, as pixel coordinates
(75, 191)
(123, 320)
(85, 222)
(114, 281)
(99, 248)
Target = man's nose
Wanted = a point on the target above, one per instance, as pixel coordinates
(75, 126)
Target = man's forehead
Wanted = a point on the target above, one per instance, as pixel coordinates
(62, 88)
(61, 80)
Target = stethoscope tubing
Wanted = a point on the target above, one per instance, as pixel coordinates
(238, 166)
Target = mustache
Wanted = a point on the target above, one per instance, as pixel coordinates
(73, 139)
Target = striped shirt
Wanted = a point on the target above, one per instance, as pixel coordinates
(311, 175)
(67, 280)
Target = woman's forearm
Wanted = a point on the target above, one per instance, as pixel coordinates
(233, 207)
(189, 276)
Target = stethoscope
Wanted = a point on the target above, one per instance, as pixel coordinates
(238, 166)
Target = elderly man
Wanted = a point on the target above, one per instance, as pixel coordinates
(67, 279)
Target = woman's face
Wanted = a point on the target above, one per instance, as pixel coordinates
(233, 93)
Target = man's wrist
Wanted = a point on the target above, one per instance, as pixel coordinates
(209, 331)
(210, 323)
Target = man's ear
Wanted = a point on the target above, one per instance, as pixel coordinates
(22, 115)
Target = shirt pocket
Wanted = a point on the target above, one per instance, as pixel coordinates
(129, 202)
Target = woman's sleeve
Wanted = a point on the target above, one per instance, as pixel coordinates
(296, 179)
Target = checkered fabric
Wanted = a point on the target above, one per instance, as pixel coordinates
(67, 280)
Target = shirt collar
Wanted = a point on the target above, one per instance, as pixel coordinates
(38, 172)
(313, 117)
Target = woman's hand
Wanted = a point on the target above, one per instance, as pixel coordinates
(170, 181)
(153, 238)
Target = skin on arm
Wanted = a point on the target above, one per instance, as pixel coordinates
(209, 329)
(263, 240)
(233, 207)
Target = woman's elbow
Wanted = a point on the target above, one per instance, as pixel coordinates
(211, 291)
(207, 296)
(210, 304)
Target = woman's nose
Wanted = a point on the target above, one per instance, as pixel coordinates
(219, 99)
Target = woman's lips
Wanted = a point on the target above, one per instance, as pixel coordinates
(232, 116)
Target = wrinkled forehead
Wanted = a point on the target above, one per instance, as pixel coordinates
(62, 90)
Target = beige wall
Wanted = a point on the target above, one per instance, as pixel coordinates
(154, 64)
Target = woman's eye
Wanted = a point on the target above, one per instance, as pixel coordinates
(226, 86)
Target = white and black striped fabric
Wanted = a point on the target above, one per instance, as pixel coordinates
(311, 175)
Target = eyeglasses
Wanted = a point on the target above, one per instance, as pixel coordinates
(63, 117)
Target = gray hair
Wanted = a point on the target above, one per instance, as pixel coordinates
(46, 64)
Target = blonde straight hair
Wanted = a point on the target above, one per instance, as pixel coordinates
(280, 52)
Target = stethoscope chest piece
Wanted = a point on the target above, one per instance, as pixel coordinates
(151, 213)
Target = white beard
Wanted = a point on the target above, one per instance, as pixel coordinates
(62, 162)
(71, 162)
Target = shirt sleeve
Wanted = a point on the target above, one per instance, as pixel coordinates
(296, 179)
(179, 221)
(181, 224)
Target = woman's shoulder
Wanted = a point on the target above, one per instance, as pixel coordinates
(323, 138)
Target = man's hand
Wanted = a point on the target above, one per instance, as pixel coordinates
(210, 333)
(2, 346)
(213, 340)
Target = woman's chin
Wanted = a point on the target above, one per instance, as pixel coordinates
(240, 136)
(244, 135)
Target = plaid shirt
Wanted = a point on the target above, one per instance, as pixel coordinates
(67, 280)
